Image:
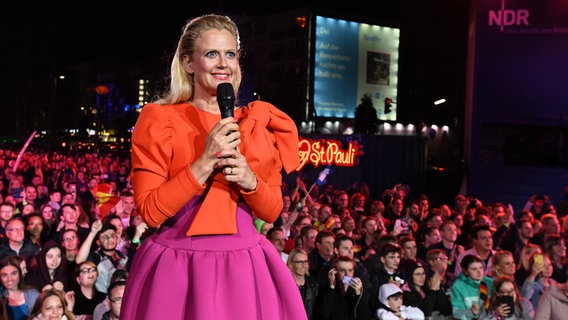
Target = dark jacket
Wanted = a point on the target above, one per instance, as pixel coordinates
(28, 249)
(334, 304)
(309, 292)
(38, 275)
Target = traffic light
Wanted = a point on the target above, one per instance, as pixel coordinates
(388, 102)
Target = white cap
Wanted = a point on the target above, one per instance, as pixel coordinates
(387, 290)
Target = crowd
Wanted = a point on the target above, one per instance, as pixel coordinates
(351, 256)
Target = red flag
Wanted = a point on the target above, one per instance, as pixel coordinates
(107, 200)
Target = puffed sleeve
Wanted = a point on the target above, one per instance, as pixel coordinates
(159, 194)
(270, 143)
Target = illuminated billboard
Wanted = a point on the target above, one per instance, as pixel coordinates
(352, 59)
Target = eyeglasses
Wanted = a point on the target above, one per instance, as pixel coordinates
(88, 270)
(442, 258)
(70, 238)
(15, 229)
(299, 262)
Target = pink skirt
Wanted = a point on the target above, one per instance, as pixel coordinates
(239, 276)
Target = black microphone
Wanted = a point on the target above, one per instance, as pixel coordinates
(226, 99)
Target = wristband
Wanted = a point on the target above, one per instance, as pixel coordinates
(136, 241)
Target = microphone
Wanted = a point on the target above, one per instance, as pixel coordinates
(226, 99)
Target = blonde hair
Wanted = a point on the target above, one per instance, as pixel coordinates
(292, 255)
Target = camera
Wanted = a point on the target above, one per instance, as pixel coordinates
(347, 279)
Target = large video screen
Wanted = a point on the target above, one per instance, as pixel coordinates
(352, 59)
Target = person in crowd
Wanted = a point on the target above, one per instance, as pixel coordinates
(294, 239)
(15, 243)
(519, 235)
(409, 252)
(427, 236)
(7, 210)
(52, 304)
(539, 278)
(553, 304)
(343, 297)
(308, 238)
(362, 245)
(555, 247)
(324, 222)
(449, 235)
(36, 232)
(104, 306)
(309, 286)
(54, 201)
(276, 236)
(125, 207)
(70, 220)
(503, 264)
(470, 292)
(386, 269)
(392, 307)
(124, 241)
(523, 267)
(550, 226)
(323, 254)
(414, 289)
(50, 218)
(482, 241)
(18, 298)
(116, 293)
(87, 297)
(106, 257)
(357, 203)
(343, 246)
(439, 282)
(520, 308)
(70, 245)
(48, 269)
(199, 177)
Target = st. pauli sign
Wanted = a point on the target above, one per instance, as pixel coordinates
(322, 152)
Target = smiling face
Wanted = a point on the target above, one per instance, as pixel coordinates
(215, 60)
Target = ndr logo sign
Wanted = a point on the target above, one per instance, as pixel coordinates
(508, 17)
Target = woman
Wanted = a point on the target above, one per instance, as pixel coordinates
(308, 286)
(539, 278)
(524, 262)
(48, 269)
(19, 299)
(555, 248)
(413, 289)
(87, 297)
(471, 289)
(520, 308)
(50, 218)
(199, 177)
(52, 304)
(503, 264)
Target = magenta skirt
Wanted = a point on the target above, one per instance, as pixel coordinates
(239, 276)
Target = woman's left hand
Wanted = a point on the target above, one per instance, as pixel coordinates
(236, 169)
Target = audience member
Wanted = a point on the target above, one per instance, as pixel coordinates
(18, 298)
(440, 282)
(539, 278)
(343, 297)
(555, 248)
(115, 293)
(470, 292)
(15, 243)
(392, 306)
(323, 253)
(520, 308)
(482, 247)
(309, 287)
(553, 305)
(523, 266)
(276, 236)
(87, 297)
(53, 305)
(449, 235)
(49, 270)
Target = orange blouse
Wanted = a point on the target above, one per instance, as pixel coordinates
(167, 139)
